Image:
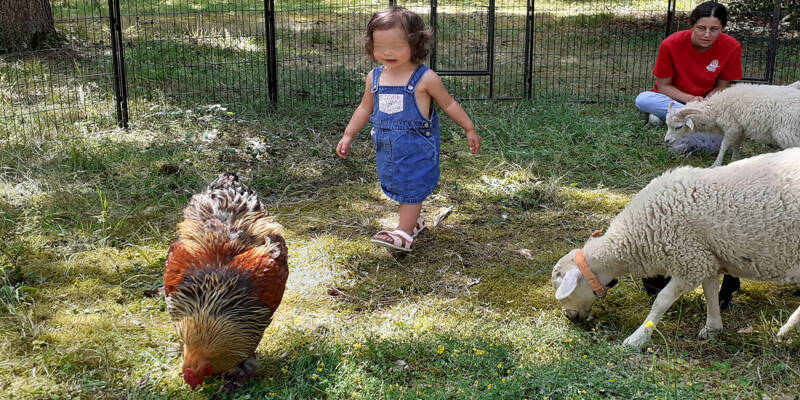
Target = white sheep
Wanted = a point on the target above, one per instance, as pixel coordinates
(763, 113)
(795, 84)
(693, 224)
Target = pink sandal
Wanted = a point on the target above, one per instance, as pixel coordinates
(396, 239)
(419, 227)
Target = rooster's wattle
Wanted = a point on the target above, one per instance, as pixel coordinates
(225, 276)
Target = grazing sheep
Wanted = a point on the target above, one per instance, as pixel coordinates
(763, 113)
(693, 224)
(795, 85)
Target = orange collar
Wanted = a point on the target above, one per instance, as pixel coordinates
(594, 283)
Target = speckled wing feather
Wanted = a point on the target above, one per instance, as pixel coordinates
(226, 242)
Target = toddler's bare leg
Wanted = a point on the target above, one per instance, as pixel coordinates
(408, 215)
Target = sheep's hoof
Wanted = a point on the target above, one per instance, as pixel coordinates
(635, 341)
(708, 333)
(783, 331)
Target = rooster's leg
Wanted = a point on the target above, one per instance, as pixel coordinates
(240, 374)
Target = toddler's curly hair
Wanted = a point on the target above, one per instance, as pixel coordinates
(417, 35)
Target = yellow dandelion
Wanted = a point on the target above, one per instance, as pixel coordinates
(612, 380)
(314, 377)
(489, 386)
(321, 363)
(649, 324)
(500, 365)
(285, 370)
(527, 375)
(357, 346)
(440, 349)
(319, 369)
(503, 380)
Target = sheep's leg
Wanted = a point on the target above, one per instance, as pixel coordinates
(723, 147)
(736, 153)
(713, 319)
(666, 297)
(790, 324)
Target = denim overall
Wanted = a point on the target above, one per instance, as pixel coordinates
(406, 143)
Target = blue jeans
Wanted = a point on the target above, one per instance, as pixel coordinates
(656, 103)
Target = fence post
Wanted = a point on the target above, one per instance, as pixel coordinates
(671, 4)
(772, 50)
(272, 62)
(118, 62)
(434, 29)
(528, 52)
(490, 49)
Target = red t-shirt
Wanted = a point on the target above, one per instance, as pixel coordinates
(695, 72)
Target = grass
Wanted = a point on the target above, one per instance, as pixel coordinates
(87, 219)
(87, 215)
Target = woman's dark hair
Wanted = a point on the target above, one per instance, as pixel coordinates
(410, 22)
(709, 9)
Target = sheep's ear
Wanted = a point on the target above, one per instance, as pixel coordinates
(690, 124)
(597, 233)
(568, 284)
(669, 107)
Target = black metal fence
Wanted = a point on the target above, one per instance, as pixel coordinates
(125, 59)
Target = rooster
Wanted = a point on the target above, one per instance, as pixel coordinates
(224, 277)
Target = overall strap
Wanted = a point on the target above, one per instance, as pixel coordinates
(376, 74)
(415, 77)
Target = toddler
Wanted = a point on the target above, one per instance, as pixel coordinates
(398, 100)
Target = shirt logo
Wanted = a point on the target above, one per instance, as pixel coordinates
(713, 65)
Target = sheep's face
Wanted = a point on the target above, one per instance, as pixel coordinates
(572, 291)
(679, 123)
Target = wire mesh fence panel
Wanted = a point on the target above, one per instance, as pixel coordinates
(62, 81)
(190, 53)
(186, 53)
(320, 49)
(595, 50)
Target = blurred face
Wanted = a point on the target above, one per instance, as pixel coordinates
(705, 32)
(391, 48)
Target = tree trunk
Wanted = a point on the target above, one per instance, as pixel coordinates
(25, 24)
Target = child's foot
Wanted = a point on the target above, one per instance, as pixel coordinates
(419, 227)
(396, 239)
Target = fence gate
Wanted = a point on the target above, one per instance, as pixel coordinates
(464, 43)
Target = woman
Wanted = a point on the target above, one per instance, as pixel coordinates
(694, 63)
